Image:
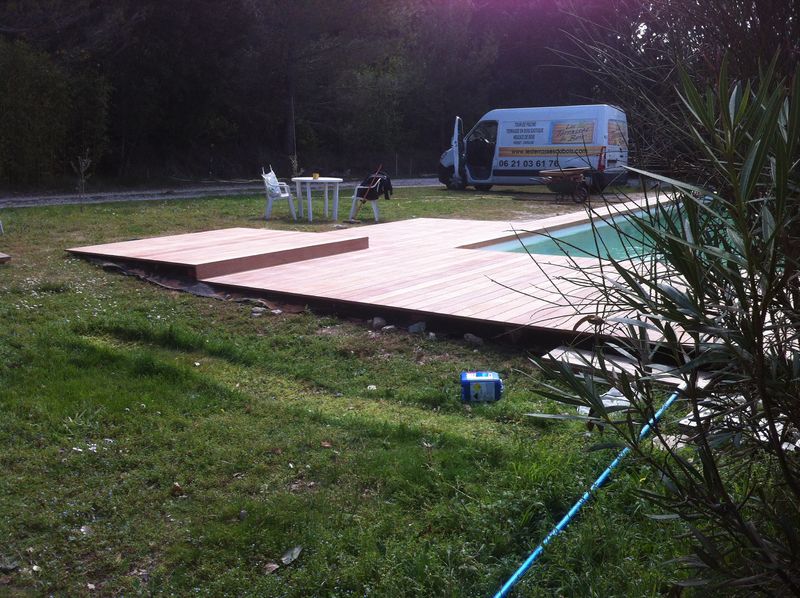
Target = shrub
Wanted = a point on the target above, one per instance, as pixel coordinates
(723, 297)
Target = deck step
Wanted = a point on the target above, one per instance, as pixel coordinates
(208, 254)
(278, 257)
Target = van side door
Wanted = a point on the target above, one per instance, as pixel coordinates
(457, 147)
(480, 146)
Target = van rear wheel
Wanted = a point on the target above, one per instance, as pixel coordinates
(581, 194)
(483, 187)
(595, 184)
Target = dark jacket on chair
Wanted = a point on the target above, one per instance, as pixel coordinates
(373, 186)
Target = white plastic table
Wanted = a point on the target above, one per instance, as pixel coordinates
(309, 182)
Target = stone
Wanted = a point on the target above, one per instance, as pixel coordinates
(389, 328)
(276, 312)
(473, 339)
(417, 328)
(431, 336)
(257, 312)
(377, 323)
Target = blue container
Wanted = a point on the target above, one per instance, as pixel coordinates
(481, 387)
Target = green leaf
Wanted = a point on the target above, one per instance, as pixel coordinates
(694, 582)
(735, 240)
(636, 323)
(680, 299)
(604, 446)
(564, 417)
(667, 517)
(767, 223)
(747, 174)
(707, 544)
(735, 102)
(682, 185)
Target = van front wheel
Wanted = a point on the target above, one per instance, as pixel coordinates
(456, 185)
(483, 187)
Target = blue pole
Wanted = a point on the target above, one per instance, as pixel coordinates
(602, 479)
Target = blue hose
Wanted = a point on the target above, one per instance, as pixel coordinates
(602, 479)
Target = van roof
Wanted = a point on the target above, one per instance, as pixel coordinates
(519, 112)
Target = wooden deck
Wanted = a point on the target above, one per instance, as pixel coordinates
(422, 267)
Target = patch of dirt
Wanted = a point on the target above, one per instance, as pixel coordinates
(303, 486)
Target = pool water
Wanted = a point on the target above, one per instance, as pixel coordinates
(620, 240)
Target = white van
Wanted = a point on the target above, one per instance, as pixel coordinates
(511, 146)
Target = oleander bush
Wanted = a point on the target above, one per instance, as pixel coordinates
(718, 296)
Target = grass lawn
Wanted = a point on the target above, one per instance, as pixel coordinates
(160, 443)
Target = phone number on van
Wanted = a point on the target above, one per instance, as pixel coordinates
(527, 163)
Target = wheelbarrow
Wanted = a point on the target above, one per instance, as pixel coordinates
(567, 182)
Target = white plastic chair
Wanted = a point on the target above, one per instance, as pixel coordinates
(354, 208)
(276, 190)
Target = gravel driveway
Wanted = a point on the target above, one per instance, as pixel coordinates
(23, 201)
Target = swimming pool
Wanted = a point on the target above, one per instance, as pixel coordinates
(620, 240)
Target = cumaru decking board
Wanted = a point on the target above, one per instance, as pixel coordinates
(520, 277)
(420, 266)
(527, 291)
(418, 288)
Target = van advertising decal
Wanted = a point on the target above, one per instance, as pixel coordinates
(618, 133)
(528, 146)
(521, 152)
(567, 132)
(528, 132)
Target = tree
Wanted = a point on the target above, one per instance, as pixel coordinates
(71, 35)
(633, 51)
(34, 113)
(306, 50)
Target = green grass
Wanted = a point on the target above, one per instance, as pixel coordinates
(160, 443)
